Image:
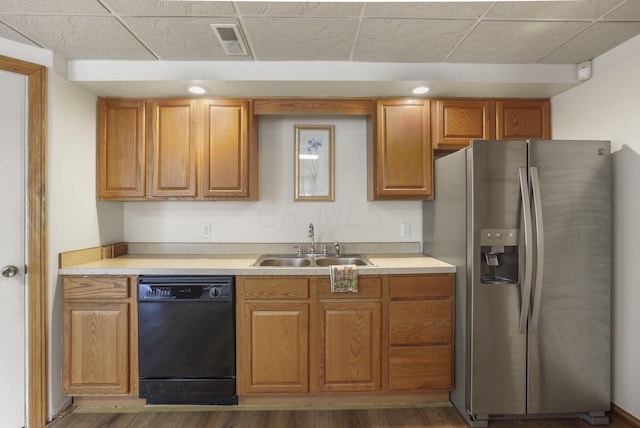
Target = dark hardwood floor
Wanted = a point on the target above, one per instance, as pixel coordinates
(440, 417)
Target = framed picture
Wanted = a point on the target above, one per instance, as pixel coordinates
(313, 160)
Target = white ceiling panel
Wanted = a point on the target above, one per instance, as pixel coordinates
(545, 33)
(402, 40)
(629, 10)
(175, 39)
(170, 8)
(307, 39)
(49, 7)
(8, 33)
(80, 36)
(470, 10)
(294, 9)
(565, 10)
(593, 42)
(509, 42)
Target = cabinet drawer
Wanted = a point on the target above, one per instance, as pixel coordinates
(96, 287)
(420, 368)
(368, 288)
(421, 287)
(421, 322)
(290, 288)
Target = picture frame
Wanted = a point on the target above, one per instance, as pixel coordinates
(313, 163)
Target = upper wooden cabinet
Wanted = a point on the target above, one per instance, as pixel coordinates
(399, 151)
(121, 149)
(177, 149)
(456, 122)
(229, 150)
(172, 157)
(522, 119)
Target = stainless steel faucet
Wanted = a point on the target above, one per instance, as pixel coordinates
(311, 235)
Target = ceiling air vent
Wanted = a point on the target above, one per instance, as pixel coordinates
(230, 38)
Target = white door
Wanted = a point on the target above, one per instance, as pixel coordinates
(12, 249)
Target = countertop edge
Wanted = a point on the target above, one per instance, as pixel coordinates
(241, 265)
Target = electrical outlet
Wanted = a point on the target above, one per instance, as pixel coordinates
(206, 230)
(405, 230)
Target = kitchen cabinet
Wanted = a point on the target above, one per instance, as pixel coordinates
(157, 149)
(394, 338)
(99, 336)
(172, 159)
(421, 332)
(121, 149)
(523, 119)
(349, 337)
(229, 157)
(399, 151)
(455, 122)
(294, 335)
(272, 334)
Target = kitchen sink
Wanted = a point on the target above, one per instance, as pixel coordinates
(286, 260)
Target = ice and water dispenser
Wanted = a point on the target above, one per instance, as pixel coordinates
(499, 256)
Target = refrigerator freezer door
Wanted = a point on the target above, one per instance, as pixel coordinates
(569, 346)
(498, 350)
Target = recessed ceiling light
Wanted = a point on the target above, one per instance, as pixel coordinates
(420, 90)
(198, 90)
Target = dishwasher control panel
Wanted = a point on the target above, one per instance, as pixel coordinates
(185, 288)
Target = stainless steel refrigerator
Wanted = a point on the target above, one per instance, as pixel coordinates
(528, 225)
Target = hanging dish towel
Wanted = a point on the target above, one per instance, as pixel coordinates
(344, 278)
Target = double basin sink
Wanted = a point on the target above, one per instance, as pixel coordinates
(315, 260)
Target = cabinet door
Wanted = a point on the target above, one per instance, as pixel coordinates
(121, 149)
(228, 149)
(273, 346)
(522, 119)
(173, 149)
(96, 348)
(456, 122)
(350, 334)
(400, 155)
(420, 368)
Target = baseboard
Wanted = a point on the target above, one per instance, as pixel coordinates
(620, 414)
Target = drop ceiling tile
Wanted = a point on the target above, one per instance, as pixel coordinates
(42, 7)
(426, 10)
(189, 39)
(593, 42)
(8, 33)
(405, 40)
(301, 39)
(513, 42)
(171, 8)
(585, 9)
(292, 9)
(80, 37)
(629, 10)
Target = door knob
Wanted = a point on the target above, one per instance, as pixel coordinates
(9, 271)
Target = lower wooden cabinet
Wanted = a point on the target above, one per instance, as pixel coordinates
(272, 334)
(421, 332)
(99, 336)
(349, 337)
(295, 336)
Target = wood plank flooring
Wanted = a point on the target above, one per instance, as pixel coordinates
(414, 417)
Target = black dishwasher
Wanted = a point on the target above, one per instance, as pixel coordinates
(186, 339)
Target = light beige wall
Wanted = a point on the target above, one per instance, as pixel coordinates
(276, 217)
(607, 107)
(75, 220)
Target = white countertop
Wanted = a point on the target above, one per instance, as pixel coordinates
(240, 264)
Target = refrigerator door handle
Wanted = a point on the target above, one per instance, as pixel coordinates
(537, 211)
(528, 250)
